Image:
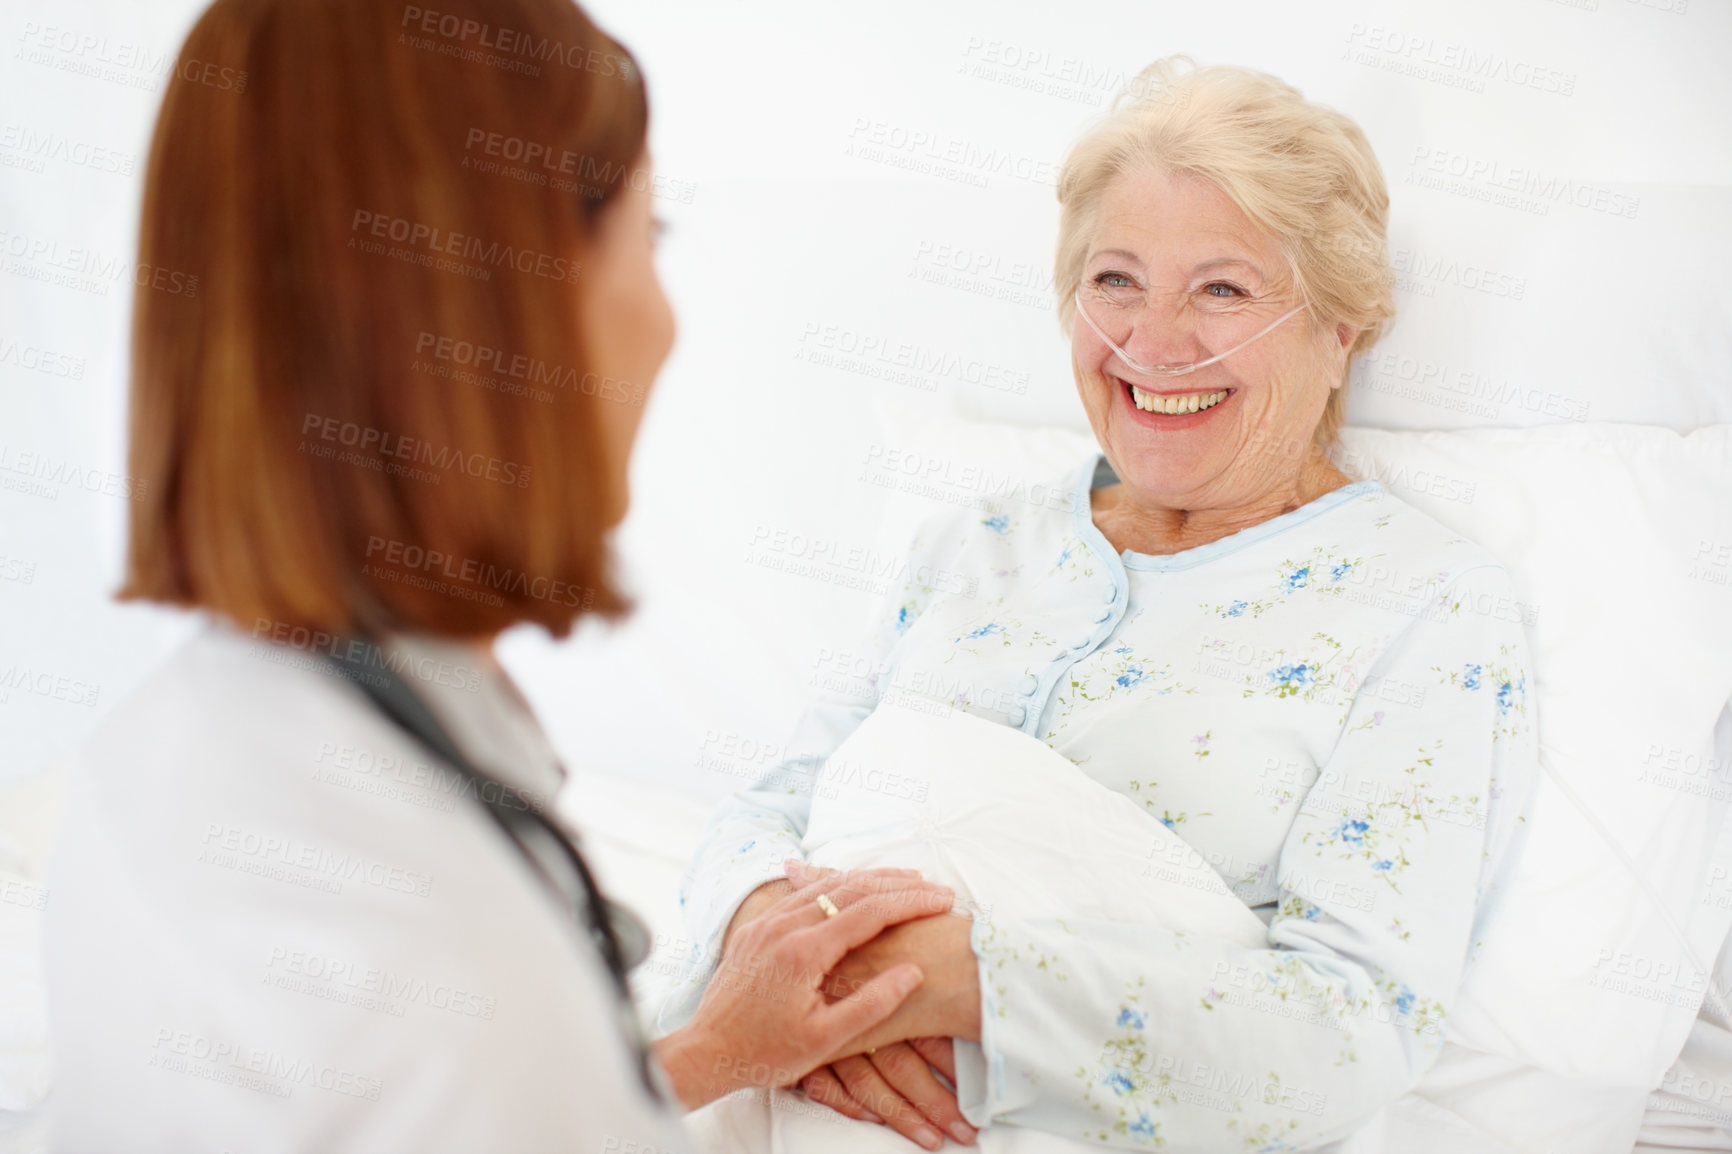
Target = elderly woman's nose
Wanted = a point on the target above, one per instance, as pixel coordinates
(1162, 337)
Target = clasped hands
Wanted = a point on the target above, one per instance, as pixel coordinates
(859, 1009)
(895, 1083)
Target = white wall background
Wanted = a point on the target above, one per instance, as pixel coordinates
(879, 177)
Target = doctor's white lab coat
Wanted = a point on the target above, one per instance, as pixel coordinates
(277, 924)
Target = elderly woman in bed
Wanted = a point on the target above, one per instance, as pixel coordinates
(1321, 689)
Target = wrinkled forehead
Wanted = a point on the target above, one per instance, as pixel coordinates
(1165, 226)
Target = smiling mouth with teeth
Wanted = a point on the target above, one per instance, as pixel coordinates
(1177, 404)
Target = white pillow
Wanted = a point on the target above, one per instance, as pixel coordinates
(1619, 541)
(1490, 303)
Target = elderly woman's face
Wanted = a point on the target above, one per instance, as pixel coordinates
(1175, 274)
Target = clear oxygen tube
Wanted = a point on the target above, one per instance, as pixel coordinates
(1178, 370)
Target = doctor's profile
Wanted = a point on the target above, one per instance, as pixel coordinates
(312, 892)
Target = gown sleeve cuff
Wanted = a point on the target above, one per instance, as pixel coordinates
(989, 1082)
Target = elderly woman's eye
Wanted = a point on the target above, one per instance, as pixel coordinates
(1113, 280)
(1229, 291)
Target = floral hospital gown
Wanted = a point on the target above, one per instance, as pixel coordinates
(1330, 707)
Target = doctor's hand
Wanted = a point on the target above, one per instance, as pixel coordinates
(765, 1019)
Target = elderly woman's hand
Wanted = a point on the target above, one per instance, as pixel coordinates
(896, 1085)
(765, 1018)
(947, 1005)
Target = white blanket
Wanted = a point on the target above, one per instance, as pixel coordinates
(1019, 831)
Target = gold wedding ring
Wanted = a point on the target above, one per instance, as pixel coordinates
(828, 906)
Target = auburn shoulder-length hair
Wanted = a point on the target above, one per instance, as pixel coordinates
(365, 404)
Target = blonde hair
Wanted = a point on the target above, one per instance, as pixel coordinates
(1302, 172)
